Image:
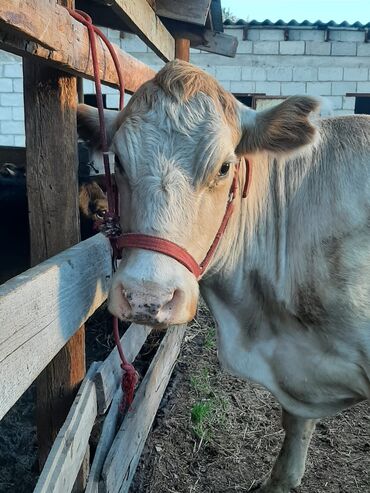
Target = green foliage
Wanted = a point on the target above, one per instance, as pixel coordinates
(210, 339)
(227, 14)
(210, 409)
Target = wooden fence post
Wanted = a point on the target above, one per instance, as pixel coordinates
(182, 49)
(52, 187)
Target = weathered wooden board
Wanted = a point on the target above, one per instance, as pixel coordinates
(42, 308)
(124, 455)
(67, 454)
(109, 375)
(43, 29)
(222, 44)
(204, 39)
(142, 20)
(50, 109)
(192, 11)
(105, 442)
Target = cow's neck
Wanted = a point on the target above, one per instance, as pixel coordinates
(255, 250)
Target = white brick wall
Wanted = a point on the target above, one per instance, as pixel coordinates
(266, 48)
(265, 63)
(317, 48)
(330, 73)
(292, 47)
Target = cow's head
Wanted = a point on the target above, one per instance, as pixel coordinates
(177, 145)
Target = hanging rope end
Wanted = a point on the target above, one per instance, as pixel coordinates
(129, 381)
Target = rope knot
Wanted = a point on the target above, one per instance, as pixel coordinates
(128, 384)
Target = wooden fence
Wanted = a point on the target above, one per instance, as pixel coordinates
(42, 311)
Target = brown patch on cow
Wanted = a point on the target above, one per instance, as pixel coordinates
(267, 302)
(310, 309)
(333, 254)
(182, 80)
(92, 201)
(281, 129)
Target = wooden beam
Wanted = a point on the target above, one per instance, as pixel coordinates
(68, 451)
(28, 28)
(183, 49)
(108, 377)
(124, 455)
(43, 307)
(204, 39)
(105, 442)
(142, 20)
(219, 43)
(191, 11)
(50, 99)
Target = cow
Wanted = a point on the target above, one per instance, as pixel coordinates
(289, 283)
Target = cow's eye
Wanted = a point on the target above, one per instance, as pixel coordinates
(100, 213)
(224, 169)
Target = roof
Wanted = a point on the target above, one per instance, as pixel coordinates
(293, 23)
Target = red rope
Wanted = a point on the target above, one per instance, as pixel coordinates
(130, 377)
(137, 240)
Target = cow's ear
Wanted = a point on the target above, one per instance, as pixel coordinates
(88, 124)
(280, 129)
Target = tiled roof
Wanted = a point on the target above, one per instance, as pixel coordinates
(293, 23)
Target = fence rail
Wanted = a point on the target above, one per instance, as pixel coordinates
(47, 31)
(43, 307)
(42, 310)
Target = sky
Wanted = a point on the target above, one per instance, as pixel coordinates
(300, 10)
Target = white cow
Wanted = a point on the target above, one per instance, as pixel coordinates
(289, 284)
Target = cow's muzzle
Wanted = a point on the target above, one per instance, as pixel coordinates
(151, 305)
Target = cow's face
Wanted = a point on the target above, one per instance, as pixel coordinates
(175, 151)
(174, 168)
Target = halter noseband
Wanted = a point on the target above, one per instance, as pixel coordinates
(171, 249)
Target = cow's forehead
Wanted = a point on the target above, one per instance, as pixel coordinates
(192, 133)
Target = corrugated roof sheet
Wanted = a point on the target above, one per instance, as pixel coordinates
(293, 23)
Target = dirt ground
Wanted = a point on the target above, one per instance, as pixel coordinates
(215, 433)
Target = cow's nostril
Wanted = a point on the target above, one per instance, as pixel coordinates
(127, 304)
(168, 309)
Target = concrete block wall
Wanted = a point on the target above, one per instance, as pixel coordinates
(306, 63)
(11, 100)
(265, 63)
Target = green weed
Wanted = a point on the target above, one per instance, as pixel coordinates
(210, 409)
(210, 338)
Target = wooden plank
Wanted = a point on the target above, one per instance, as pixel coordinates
(204, 39)
(105, 442)
(39, 28)
(50, 103)
(191, 11)
(183, 49)
(124, 455)
(42, 308)
(67, 454)
(213, 42)
(109, 375)
(143, 21)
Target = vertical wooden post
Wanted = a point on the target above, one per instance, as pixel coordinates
(52, 187)
(182, 49)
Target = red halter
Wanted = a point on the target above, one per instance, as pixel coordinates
(137, 240)
(171, 249)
